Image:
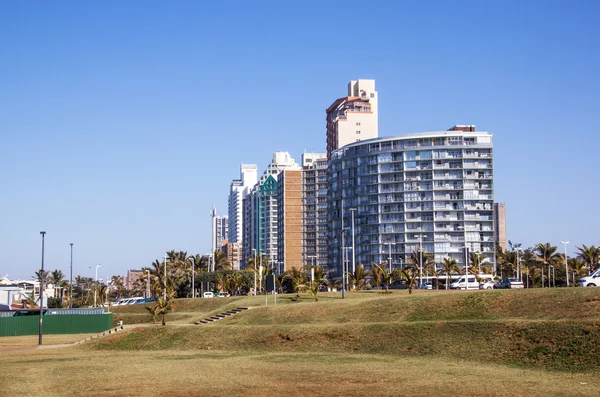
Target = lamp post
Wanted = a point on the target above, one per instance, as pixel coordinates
(193, 281)
(466, 267)
(345, 270)
(542, 269)
(353, 255)
(148, 283)
(41, 291)
(566, 263)
(260, 273)
(165, 281)
(71, 281)
(343, 254)
(312, 270)
(518, 265)
(254, 250)
(390, 255)
(96, 289)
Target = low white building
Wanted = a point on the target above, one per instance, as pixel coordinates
(13, 293)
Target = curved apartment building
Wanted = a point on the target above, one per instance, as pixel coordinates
(431, 190)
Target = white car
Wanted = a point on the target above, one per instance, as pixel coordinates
(471, 283)
(593, 280)
(487, 285)
(208, 295)
(427, 285)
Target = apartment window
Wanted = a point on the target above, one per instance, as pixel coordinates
(372, 95)
(358, 132)
(358, 123)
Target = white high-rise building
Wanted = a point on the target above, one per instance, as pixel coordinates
(425, 192)
(239, 189)
(219, 229)
(354, 117)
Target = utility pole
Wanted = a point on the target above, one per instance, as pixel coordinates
(165, 281)
(148, 284)
(41, 292)
(343, 257)
(71, 282)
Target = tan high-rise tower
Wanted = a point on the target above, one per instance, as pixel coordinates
(354, 117)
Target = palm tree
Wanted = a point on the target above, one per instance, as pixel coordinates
(507, 263)
(475, 261)
(591, 256)
(56, 277)
(333, 283)
(409, 274)
(117, 284)
(314, 286)
(449, 265)
(177, 260)
(359, 278)
(38, 276)
(297, 279)
(220, 261)
(102, 293)
(375, 273)
(385, 275)
(577, 266)
(546, 255)
(196, 262)
(427, 264)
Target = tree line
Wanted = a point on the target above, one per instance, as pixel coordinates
(539, 266)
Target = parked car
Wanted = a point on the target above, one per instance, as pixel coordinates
(489, 284)
(208, 295)
(593, 280)
(509, 283)
(471, 283)
(427, 285)
(223, 295)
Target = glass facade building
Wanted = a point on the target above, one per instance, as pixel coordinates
(430, 191)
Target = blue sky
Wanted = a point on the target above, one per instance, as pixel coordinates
(121, 123)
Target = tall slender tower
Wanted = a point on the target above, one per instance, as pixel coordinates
(354, 117)
(219, 229)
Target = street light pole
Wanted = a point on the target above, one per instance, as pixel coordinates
(421, 260)
(344, 271)
(255, 259)
(71, 281)
(96, 289)
(165, 286)
(353, 255)
(41, 291)
(193, 281)
(148, 284)
(343, 255)
(566, 263)
(466, 267)
(260, 273)
(390, 256)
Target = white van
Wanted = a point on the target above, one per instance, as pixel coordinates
(593, 280)
(460, 283)
(208, 295)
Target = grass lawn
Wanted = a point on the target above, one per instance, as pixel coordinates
(74, 371)
(475, 343)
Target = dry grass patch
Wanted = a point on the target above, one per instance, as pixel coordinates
(32, 340)
(76, 372)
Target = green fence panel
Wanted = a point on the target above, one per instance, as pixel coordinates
(65, 324)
